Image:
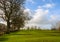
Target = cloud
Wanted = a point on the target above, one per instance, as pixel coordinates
(43, 0)
(48, 5)
(39, 17)
(28, 12)
(50, 1)
(54, 18)
(31, 1)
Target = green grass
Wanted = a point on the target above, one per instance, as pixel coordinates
(32, 36)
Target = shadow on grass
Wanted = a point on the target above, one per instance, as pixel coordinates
(3, 39)
(58, 35)
(39, 40)
(21, 34)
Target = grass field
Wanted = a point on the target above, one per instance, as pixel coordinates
(32, 36)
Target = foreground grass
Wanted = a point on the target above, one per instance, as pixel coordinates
(32, 36)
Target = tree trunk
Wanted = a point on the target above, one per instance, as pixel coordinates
(8, 26)
(18, 28)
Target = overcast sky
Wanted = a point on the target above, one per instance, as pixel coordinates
(44, 12)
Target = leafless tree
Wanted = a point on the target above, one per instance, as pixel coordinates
(10, 8)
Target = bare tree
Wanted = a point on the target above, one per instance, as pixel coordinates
(10, 7)
(18, 20)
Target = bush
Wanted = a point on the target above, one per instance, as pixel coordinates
(2, 28)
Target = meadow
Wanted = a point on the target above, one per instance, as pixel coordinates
(32, 36)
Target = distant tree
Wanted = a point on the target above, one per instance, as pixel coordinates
(56, 26)
(10, 8)
(53, 27)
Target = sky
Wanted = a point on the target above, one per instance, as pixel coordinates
(44, 13)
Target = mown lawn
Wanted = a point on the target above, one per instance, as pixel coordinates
(32, 36)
